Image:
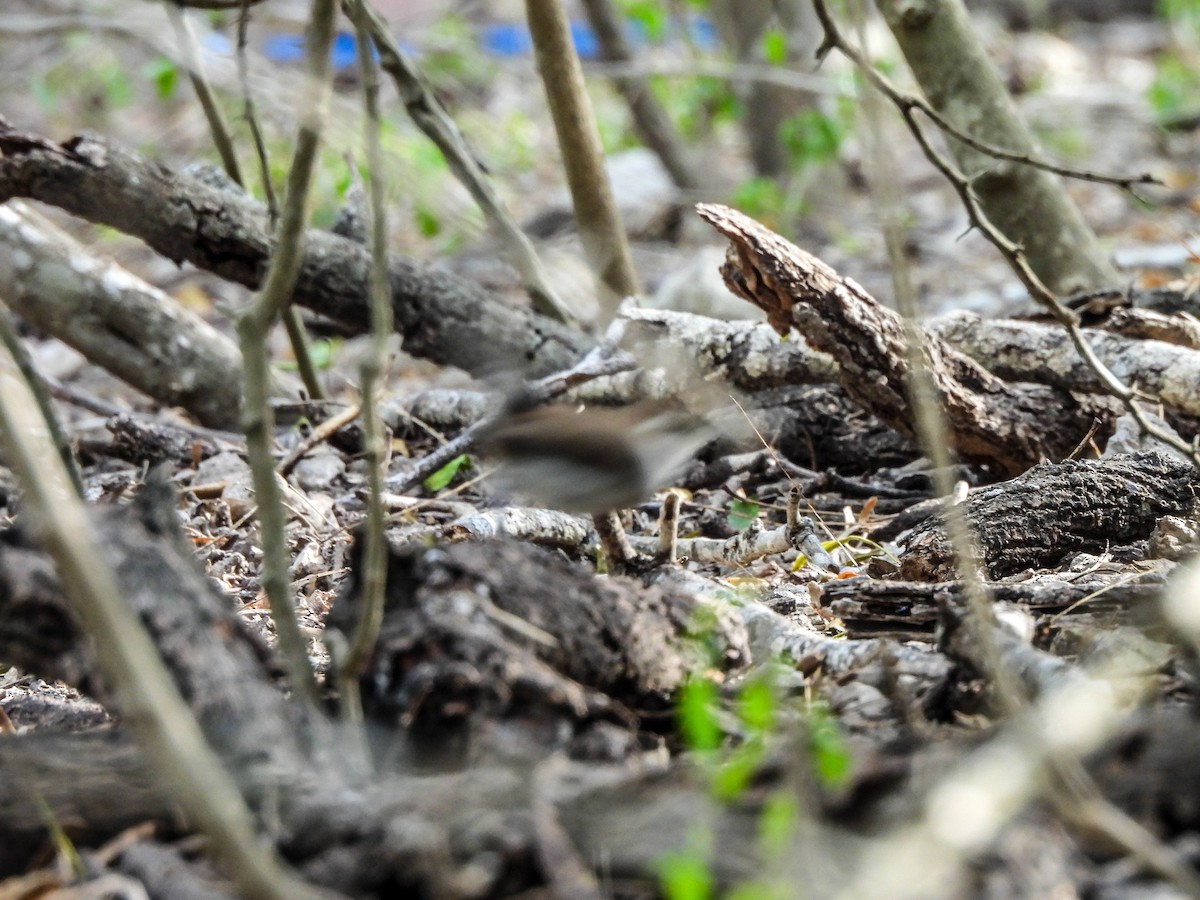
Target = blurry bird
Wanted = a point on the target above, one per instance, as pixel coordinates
(593, 460)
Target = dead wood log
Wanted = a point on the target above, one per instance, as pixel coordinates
(225, 674)
(1033, 351)
(153, 442)
(116, 320)
(168, 875)
(908, 610)
(443, 318)
(972, 640)
(528, 626)
(1179, 328)
(1007, 426)
(96, 785)
(1056, 509)
(744, 354)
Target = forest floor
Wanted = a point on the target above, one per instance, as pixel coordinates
(885, 751)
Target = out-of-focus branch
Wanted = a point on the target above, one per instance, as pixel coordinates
(600, 228)
(650, 120)
(373, 573)
(431, 117)
(186, 766)
(253, 327)
(224, 143)
(40, 393)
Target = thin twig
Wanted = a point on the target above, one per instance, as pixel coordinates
(373, 574)
(189, 50)
(431, 117)
(293, 324)
(1013, 253)
(323, 432)
(595, 365)
(668, 529)
(224, 143)
(250, 114)
(1077, 799)
(253, 327)
(906, 103)
(1071, 790)
(41, 393)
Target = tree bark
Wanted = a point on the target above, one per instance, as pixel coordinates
(119, 322)
(1010, 427)
(442, 317)
(1037, 352)
(1054, 510)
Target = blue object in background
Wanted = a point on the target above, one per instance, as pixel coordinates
(284, 48)
(511, 39)
(345, 51)
(704, 33)
(289, 48)
(584, 40)
(506, 40)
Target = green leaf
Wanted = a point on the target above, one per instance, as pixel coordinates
(698, 103)
(831, 757)
(685, 876)
(774, 47)
(733, 777)
(164, 75)
(428, 222)
(445, 474)
(652, 16)
(757, 706)
(118, 92)
(777, 823)
(760, 198)
(741, 514)
(698, 715)
(812, 138)
(323, 352)
(1174, 87)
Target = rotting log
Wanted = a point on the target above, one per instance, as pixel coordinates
(1053, 510)
(1007, 426)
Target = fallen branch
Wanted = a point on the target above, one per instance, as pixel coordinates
(1032, 351)
(1053, 510)
(1010, 427)
(118, 321)
(443, 318)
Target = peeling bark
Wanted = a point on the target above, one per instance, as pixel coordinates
(1010, 427)
(1036, 520)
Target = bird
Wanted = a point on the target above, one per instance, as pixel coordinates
(593, 459)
